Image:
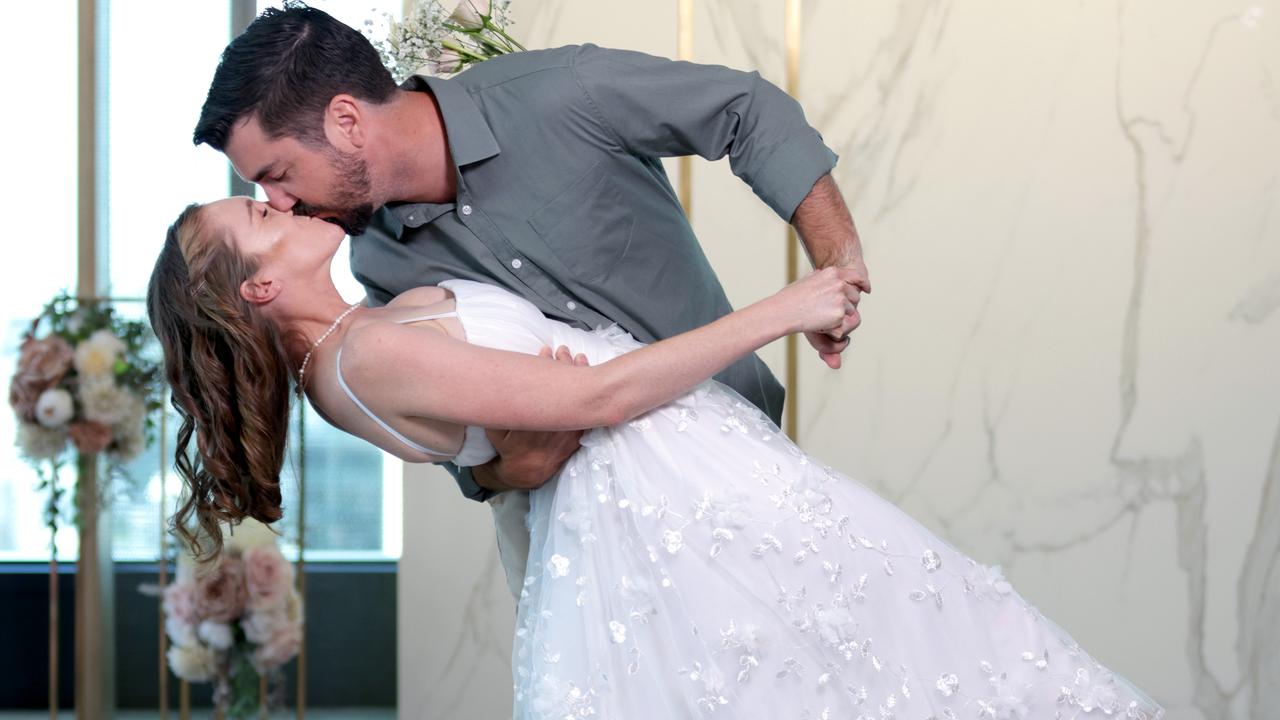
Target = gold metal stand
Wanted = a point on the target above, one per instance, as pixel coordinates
(791, 39)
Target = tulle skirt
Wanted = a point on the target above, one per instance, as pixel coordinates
(694, 562)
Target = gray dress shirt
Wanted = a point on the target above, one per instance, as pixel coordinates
(563, 200)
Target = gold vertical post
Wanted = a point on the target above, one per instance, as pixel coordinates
(791, 39)
(164, 562)
(93, 607)
(86, 152)
(302, 543)
(684, 51)
(94, 684)
(184, 700)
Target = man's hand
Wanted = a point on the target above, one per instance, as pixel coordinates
(527, 459)
(830, 344)
(826, 229)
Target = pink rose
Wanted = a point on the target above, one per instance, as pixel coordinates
(41, 365)
(279, 649)
(90, 437)
(268, 575)
(260, 625)
(221, 593)
(180, 603)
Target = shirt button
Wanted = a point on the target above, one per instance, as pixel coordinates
(516, 263)
(466, 209)
(413, 218)
(571, 305)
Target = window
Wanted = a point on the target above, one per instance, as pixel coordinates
(156, 82)
(41, 231)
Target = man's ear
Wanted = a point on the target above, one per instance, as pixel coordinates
(344, 123)
(259, 292)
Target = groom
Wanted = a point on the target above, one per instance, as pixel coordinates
(538, 171)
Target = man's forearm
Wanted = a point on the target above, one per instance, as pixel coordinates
(825, 226)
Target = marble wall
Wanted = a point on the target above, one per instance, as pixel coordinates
(1069, 363)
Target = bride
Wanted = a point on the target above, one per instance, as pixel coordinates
(688, 560)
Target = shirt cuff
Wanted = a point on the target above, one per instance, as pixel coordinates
(470, 489)
(791, 171)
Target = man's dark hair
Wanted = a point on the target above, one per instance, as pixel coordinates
(285, 68)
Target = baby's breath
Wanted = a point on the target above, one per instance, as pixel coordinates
(434, 41)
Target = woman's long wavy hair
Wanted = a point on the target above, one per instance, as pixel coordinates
(230, 379)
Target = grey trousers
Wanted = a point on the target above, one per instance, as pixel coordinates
(509, 511)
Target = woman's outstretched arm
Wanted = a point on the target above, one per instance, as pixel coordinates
(415, 372)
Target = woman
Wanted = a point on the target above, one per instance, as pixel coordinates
(688, 559)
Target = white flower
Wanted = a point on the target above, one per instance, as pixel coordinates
(446, 62)
(835, 625)
(1096, 690)
(179, 631)
(216, 634)
(468, 12)
(54, 408)
(104, 402)
(260, 625)
(194, 663)
(995, 578)
(128, 431)
(249, 534)
(40, 443)
(97, 355)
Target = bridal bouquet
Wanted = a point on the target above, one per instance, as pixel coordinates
(433, 40)
(83, 381)
(236, 622)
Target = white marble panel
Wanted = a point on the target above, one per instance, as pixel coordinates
(1068, 365)
(455, 614)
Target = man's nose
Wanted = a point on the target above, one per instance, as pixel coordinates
(278, 199)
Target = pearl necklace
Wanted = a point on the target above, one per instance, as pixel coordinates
(302, 372)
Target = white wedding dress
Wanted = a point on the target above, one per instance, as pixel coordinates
(694, 562)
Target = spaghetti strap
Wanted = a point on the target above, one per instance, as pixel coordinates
(437, 316)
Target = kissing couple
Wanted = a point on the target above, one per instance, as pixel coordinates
(542, 320)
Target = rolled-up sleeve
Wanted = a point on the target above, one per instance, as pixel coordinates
(659, 107)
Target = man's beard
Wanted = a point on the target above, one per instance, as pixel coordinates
(350, 207)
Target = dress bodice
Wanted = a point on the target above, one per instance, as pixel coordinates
(496, 318)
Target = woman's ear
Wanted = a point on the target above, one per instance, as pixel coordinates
(344, 123)
(259, 292)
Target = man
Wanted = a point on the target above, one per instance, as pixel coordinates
(538, 171)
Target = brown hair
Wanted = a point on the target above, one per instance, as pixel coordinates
(230, 377)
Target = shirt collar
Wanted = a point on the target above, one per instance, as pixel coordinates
(470, 140)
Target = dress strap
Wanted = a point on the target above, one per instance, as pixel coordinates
(382, 423)
(437, 316)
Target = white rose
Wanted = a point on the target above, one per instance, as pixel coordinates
(180, 632)
(106, 339)
(216, 634)
(194, 663)
(468, 12)
(97, 355)
(40, 443)
(54, 408)
(446, 62)
(104, 402)
(128, 431)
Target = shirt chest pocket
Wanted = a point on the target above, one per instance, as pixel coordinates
(588, 225)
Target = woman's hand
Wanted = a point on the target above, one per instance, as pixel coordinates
(818, 302)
